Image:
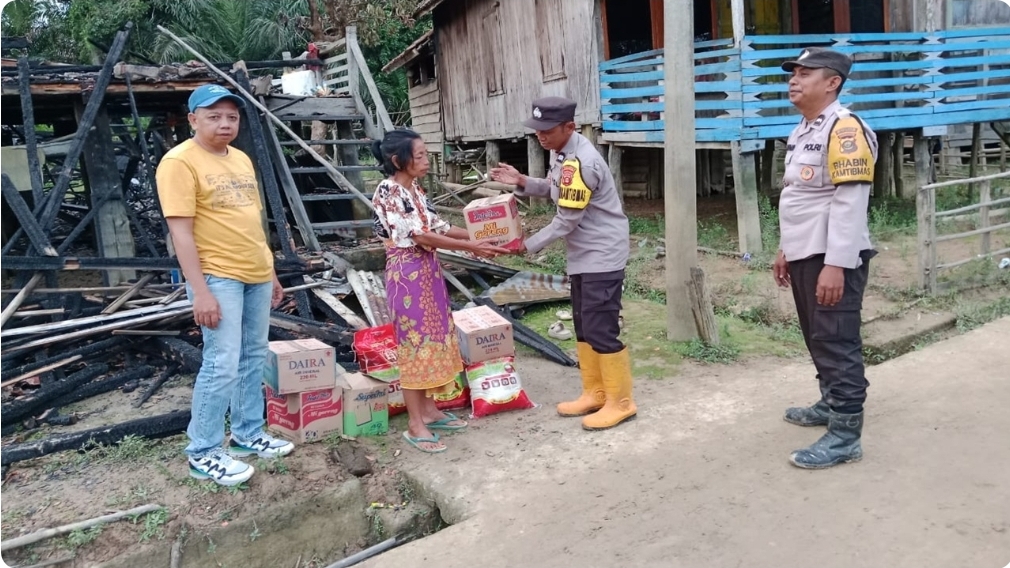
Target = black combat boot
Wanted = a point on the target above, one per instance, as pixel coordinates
(816, 415)
(839, 445)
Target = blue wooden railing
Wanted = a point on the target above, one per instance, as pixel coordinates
(899, 81)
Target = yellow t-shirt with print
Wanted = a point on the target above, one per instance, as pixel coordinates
(220, 193)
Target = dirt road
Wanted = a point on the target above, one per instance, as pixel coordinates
(701, 479)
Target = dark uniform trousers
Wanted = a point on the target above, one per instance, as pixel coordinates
(596, 309)
(832, 332)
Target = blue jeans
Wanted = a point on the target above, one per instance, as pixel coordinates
(234, 355)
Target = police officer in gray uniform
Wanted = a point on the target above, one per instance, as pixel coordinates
(592, 223)
(825, 249)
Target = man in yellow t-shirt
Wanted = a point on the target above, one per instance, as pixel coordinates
(210, 199)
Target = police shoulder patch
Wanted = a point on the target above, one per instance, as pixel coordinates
(574, 193)
(849, 156)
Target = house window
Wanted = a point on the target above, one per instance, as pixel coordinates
(550, 39)
(841, 16)
(493, 52)
(422, 71)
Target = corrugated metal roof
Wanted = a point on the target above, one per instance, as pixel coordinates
(530, 288)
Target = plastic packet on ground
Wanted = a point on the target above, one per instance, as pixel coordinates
(495, 387)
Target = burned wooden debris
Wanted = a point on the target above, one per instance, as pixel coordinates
(92, 295)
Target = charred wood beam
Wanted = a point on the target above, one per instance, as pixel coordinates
(168, 373)
(187, 357)
(28, 222)
(263, 159)
(31, 141)
(105, 385)
(145, 153)
(530, 338)
(154, 427)
(103, 346)
(12, 412)
(87, 121)
(47, 210)
(323, 331)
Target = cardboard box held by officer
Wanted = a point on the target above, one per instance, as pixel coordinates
(495, 220)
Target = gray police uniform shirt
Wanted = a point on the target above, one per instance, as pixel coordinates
(589, 215)
(828, 173)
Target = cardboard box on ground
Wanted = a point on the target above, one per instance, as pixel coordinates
(366, 408)
(495, 220)
(300, 365)
(306, 416)
(483, 335)
(303, 401)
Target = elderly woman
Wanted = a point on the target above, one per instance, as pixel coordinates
(427, 348)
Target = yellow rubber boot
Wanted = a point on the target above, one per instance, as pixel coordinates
(616, 370)
(593, 395)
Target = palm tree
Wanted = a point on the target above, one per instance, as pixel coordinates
(230, 30)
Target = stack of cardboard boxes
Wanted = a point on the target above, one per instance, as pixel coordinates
(309, 396)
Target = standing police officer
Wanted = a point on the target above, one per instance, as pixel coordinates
(592, 222)
(825, 249)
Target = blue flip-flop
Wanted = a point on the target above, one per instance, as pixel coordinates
(417, 441)
(443, 424)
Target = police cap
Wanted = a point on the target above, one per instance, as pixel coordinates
(549, 112)
(821, 58)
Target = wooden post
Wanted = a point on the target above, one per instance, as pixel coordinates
(492, 154)
(984, 196)
(680, 202)
(655, 181)
(748, 219)
(701, 307)
(768, 167)
(884, 171)
(347, 153)
(898, 161)
(351, 35)
(738, 15)
(976, 143)
(290, 190)
(614, 160)
(589, 132)
(925, 207)
(703, 173)
(536, 164)
(112, 225)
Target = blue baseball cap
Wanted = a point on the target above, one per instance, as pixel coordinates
(207, 95)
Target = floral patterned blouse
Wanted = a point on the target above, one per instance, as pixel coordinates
(400, 215)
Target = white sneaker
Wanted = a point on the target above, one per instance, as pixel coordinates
(219, 467)
(264, 446)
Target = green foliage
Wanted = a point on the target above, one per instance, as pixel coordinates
(647, 226)
(698, 350)
(712, 234)
(82, 537)
(153, 525)
(391, 36)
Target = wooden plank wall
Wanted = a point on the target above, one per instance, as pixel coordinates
(426, 114)
(470, 112)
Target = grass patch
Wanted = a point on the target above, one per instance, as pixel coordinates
(82, 537)
(976, 314)
(153, 525)
(654, 226)
(698, 350)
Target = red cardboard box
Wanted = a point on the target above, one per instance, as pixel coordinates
(495, 220)
(483, 334)
(306, 416)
